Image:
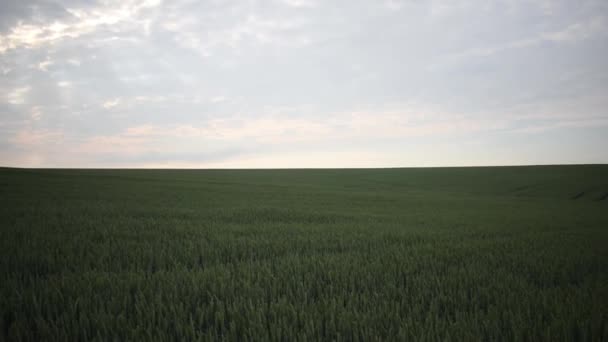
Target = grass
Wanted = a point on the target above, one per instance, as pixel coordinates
(509, 253)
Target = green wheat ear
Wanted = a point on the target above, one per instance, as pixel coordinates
(396, 254)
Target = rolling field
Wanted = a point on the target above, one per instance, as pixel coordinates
(463, 254)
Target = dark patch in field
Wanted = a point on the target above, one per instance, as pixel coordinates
(603, 197)
(521, 190)
(8, 318)
(524, 190)
(578, 195)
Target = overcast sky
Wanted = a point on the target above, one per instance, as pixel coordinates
(303, 83)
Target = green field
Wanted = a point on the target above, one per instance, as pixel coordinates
(464, 254)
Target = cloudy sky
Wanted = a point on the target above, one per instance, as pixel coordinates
(302, 83)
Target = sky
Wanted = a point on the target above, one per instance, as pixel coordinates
(302, 83)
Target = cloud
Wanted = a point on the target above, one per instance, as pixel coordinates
(300, 3)
(109, 104)
(186, 82)
(246, 29)
(44, 65)
(28, 138)
(552, 125)
(573, 33)
(74, 61)
(79, 22)
(118, 145)
(578, 31)
(17, 95)
(281, 130)
(36, 113)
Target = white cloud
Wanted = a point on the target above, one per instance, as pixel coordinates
(210, 36)
(300, 3)
(117, 145)
(551, 125)
(44, 65)
(36, 113)
(275, 129)
(84, 22)
(572, 33)
(394, 5)
(218, 99)
(17, 95)
(29, 137)
(109, 104)
(578, 31)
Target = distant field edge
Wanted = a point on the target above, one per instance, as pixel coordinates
(309, 168)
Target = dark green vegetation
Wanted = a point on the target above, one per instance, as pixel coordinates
(514, 253)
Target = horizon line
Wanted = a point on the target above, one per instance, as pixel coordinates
(301, 168)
